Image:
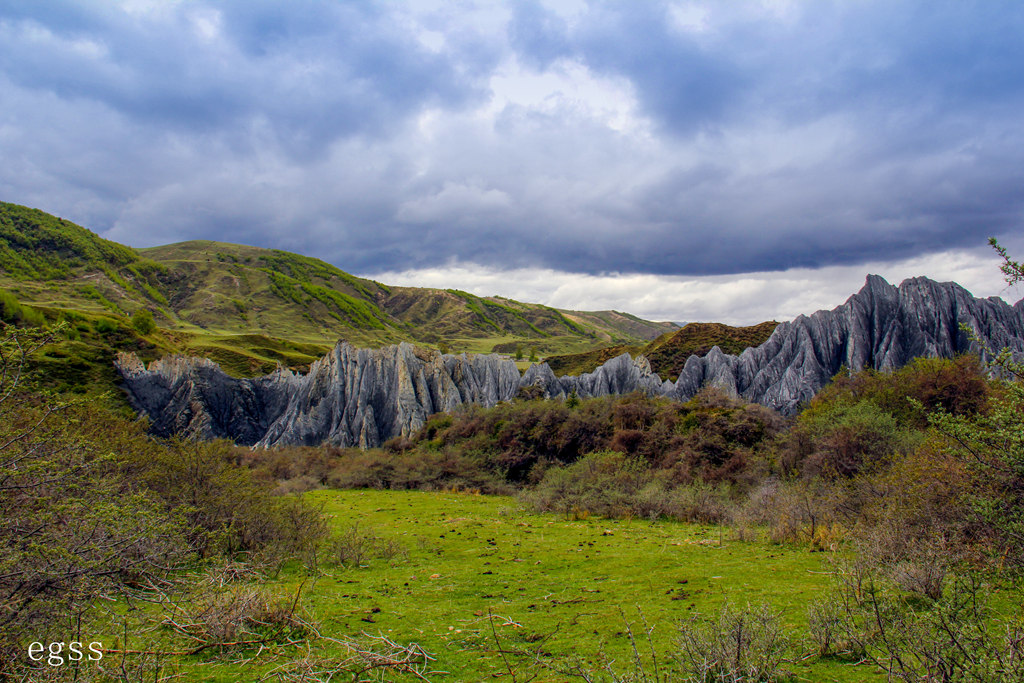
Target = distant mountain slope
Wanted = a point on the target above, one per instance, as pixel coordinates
(668, 356)
(226, 295)
(668, 353)
(621, 326)
(231, 288)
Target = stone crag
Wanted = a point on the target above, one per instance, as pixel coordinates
(362, 397)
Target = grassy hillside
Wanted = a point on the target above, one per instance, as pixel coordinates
(81, 358)
(226, 295)
(668, 353)
(234, 289)
(36, 245)
(668, 356)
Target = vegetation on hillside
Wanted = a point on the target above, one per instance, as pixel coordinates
(36, 245)
(214, 290)
(668, 353)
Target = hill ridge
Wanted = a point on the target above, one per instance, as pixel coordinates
(214, 288)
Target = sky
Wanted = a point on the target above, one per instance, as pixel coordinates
(729, 161)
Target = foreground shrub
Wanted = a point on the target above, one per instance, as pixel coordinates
(736, 646)
(229, 511)
(238, 617)
(953, 638)
(990, 446)
(611, 484)
(90, 506)
(71, 526)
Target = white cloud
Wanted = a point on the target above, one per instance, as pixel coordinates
(566, 86)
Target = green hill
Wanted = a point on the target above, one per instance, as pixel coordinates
(250, 308)
(668, 353)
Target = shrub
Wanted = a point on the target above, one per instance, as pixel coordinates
(72, 526)
(737, 646)
(354, 546)
(606, 484)
(142, 321)
(106, 325)
(952, 638)
(227, 508)
(12, 311)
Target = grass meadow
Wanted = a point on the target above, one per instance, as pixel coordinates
(493, 591)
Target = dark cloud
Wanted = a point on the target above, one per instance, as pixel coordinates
(626, 137)
(310, 71)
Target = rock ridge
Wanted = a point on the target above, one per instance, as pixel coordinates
(363, 397)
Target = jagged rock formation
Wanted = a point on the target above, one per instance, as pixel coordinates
(881, 327)
(620, 375)
(362, 397)
(350, 397)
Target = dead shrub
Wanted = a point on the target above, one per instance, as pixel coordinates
(952, 638)
(354, 547)
(737, 645)
(238, 617)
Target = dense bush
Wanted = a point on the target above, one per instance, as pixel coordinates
(90, 506)
(12, 311)
(142, 321)
(710, 438)
(612, 484)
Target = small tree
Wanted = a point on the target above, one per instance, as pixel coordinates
(143, 321)
(519, 352)
(573, 400)
(533, 354)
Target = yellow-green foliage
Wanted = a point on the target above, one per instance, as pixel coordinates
(12, 311)
(36, 245)
(668, 353)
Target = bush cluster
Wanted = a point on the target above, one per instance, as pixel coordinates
(90, 505)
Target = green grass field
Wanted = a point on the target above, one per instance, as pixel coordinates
(561, 588)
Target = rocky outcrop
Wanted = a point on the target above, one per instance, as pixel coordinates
(620, 375)
(362, 397)
(193, 397)
(350, 397)
(881, 327)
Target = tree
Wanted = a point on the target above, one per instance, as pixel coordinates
(992, 443)
(1013, 271)
(143, 321)
(572, 400)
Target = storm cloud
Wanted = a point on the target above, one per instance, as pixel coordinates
(663, 139)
